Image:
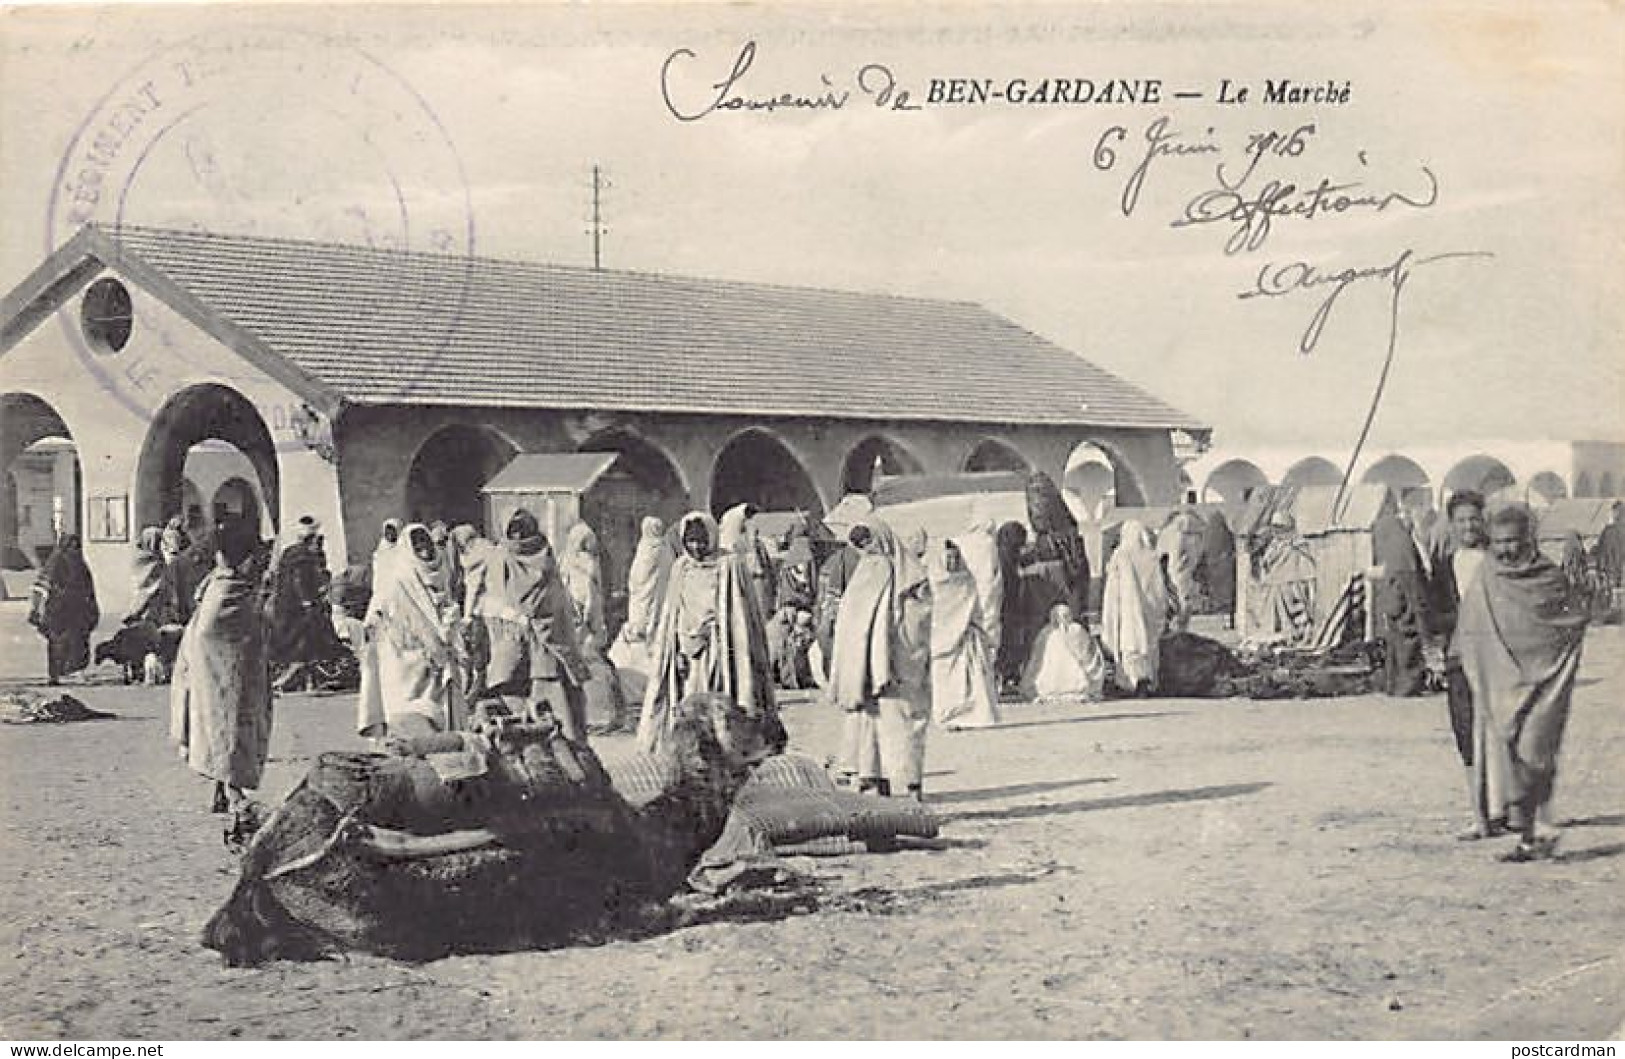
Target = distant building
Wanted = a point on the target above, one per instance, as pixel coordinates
(360, 384)
(1538, 472)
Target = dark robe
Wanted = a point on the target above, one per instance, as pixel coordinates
(1016, 627)
(301, 621)
(1056, 561)
(1218, 565)
(63, 608)
(832, 582)
(1609, 553)
(1401, 607)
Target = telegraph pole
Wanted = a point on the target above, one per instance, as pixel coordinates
(598, 229)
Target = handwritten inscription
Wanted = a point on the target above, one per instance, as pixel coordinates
(873, 83)
(1296, 277)
(1246, 201)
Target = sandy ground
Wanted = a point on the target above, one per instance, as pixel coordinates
(1166, 868)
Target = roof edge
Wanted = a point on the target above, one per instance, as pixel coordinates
(93, 249)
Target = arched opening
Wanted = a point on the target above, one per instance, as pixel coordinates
(994, 455)
(875, 456)
(1233, 481)
(206, 412)
(449, 470)
(235, 499)
(1546, 487)
(643, 481)
(1605, 484)
(1582, 485)
(1312, 470)
(756, 468)
(218, 478)
(41, 491)
(1101, 479)
(1481, 473)
(1405, 478)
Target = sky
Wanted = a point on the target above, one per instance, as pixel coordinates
(469, 129)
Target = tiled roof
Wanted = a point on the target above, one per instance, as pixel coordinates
(550, 472)
(387, 327)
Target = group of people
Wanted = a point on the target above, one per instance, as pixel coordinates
(1510, 624)
(898, 632)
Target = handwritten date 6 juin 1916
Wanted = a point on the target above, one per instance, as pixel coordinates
(1236, 199)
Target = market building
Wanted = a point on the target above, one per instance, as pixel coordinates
(357, 384)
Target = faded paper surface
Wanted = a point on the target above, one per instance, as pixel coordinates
(1258, 212)
(1472, 129)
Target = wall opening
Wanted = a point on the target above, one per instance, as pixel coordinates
(1101, 479)
(644, 481)
(1481, 473)
(757, 468)
(41, 484)
(875, 456)
(449, 470)
(207, 412)
(1233, 481)
(992, 454)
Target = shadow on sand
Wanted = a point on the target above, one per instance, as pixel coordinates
(1124, 801)
(1607, 820)
(1580, 856)
(1004, 727)
(1015, 790)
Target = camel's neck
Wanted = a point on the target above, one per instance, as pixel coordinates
(684, 822)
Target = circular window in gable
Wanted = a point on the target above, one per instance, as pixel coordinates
(105, 315)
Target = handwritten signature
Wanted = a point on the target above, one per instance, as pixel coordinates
(874, 82)
(1278, 280)
(1254, 212)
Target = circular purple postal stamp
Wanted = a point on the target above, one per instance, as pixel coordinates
(268, 133)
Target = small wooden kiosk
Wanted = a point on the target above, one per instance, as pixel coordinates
(549, 485)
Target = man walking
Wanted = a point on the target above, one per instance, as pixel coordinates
(1518, 641)
(1455, 565)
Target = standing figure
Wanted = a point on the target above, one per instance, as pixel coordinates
(798, 581)
(530, 623)
(1179, 549)
(737, 535)
(1219, 566)
(979, 548)
(62, 607)
(1456, 564)
(1518, 640)
(710, 638)
(388, 537)
(582, 570)
(1015, 628)
(646, 581)
(1135, 610)
(301, 625)
(412, 627)
(157, 611)
(1401, 611)
(1057, 567)
(1609, 551)
(881, 670)
(220, 701)
(832, 582)
(964, 692)
(184, 573)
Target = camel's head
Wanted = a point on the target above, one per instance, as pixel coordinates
(715, 744)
